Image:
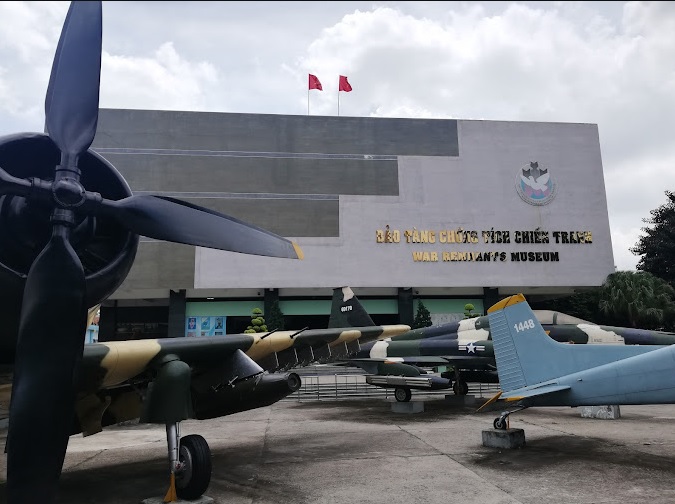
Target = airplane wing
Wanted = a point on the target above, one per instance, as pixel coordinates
(287, 349)
(115, 375)
(112, 363)
(334, 337)
(418, 360)
(525, 393)
(469, 359)
(427, 361)
(216, 374)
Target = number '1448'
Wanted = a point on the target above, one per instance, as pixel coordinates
(523, 326)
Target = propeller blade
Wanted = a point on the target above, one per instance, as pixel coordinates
(178, 221)
(49, 348)
(71, 106)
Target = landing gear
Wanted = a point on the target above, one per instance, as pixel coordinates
(402, 394)
(189, 463)
(195, 476)
(502, 421)
(460, 387)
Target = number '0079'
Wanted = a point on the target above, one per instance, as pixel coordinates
(523, 326)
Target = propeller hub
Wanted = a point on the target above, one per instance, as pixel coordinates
(68, 193)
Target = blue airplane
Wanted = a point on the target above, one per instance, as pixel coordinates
(535, 370)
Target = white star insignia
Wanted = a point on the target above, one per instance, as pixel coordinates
(471, 348)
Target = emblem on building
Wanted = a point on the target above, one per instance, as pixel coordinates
(535, 184)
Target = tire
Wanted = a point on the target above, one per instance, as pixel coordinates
(499, 424)
(402, 394)
(460, 388)
(294, 382)
(194, 479)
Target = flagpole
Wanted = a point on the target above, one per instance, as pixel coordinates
(307, 100)
(338, 102)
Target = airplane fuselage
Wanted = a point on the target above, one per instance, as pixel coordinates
(648, 378)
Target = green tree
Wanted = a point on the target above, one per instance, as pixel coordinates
(422, 317)
(657, 246)
(275, 319)
(637, 298)
(257, 322)
(468, 311)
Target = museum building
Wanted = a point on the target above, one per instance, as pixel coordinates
(440, 210)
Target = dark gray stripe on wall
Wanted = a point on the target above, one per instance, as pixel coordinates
(266, 133)
(318, 218)
(257, 175)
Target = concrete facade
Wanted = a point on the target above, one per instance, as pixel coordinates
(435, 206)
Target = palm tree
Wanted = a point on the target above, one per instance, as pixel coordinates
(635, 296)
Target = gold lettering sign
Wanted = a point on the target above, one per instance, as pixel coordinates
(461, 236)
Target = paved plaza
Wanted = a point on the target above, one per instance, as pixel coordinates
(358, 450)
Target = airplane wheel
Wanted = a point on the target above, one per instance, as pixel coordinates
(195, 477)
(460, 388)
(499, 423)
(402, 394)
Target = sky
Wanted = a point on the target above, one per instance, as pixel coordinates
(605, 63)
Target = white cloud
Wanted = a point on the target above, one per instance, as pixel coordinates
(28, 37)
(164, 81)
(608, 63)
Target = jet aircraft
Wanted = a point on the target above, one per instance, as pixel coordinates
(559, 326)
(465, 348)
(535, 370)
(392, 371)
(69, 232)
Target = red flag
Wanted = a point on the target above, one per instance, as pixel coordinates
(344, 84)
(314, 82)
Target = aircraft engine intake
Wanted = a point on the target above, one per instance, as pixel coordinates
(105, 247)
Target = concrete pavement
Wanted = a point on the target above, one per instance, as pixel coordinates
(325, 452)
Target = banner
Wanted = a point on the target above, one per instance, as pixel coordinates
(205, 326)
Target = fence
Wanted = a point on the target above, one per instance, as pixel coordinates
(325, 382)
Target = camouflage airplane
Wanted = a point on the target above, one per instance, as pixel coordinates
(559, 326)
(115, 376)
(69, 233)
(127, 380)
(283, 350)
(535, 370)
(390, 370)
(463, 352)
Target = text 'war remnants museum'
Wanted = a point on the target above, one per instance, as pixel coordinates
(446, 211)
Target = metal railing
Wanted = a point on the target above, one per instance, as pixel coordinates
(325, 382)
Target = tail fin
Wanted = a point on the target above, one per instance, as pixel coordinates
(346, 310)
(507, 351)
(526, 355)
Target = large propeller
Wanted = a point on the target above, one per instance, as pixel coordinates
(54, 311)
(159, 217)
